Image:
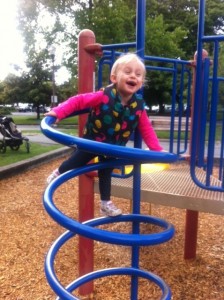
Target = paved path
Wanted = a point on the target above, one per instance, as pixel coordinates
(35, 137)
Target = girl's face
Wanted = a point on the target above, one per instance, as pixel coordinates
(128, 79)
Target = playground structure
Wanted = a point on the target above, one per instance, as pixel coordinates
(120, 156)
(202, 160)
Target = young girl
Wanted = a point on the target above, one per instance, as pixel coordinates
(115, 112)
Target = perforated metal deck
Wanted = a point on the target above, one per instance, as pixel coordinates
(173, 187)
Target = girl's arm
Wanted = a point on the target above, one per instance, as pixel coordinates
(78, 102)
(148, 133)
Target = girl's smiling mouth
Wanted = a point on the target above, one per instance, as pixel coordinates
(131, 83)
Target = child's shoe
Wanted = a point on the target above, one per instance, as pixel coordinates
(53, 175)
(107, 208)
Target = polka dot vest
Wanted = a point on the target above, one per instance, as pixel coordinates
(112, 122)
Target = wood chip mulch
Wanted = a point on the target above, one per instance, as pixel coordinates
(27, 232)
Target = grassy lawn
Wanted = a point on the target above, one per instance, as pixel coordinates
(165, 134)
(10, 156)
(32, 120)
(71, 131)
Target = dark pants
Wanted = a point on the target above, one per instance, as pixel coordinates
(79, 159)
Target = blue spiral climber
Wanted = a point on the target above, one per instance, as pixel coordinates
(121, 156)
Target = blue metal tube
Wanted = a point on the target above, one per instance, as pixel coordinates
(174, 83)
(203, 114)
(166, 59)
(119, 46)
(212, 38)
(180, 110)
(198, 84)
(163, 69)
(105, 60)
(213, 115)
(188, 109)
(64, 293)
(140, 46)
(221, 168)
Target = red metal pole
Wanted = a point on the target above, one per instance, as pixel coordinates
(191, 218)
(86, 184)
(191, 229)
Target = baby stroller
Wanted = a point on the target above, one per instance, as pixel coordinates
(12, 137)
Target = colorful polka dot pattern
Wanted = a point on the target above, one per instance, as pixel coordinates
(112, 122)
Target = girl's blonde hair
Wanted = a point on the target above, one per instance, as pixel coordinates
(126, 58)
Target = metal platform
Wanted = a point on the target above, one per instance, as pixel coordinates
(173, 187)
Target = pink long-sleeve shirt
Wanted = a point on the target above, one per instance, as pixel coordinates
(109, 121)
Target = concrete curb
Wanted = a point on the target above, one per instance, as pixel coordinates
(30, 163)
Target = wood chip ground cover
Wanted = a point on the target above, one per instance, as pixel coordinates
(27, 232)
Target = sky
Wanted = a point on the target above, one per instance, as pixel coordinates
(11, 43)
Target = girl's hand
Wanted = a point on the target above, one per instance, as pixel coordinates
(52, 114)
(186, 157)
(158, 151)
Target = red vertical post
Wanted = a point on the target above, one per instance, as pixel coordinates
(191, 229)
(191, 218)
(86, 184)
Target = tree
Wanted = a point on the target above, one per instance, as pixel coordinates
(32, 87)
(184, 14)
(161, 42)
(14, 89)
(171, 29)
(108, 19)
(112, 21)
(44, 23)
(2, 98)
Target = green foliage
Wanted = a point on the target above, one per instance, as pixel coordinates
(67, 89)
(110, 21)
(13, 89)
(31, 87)
(220, 73)
(5, 111)
(113, 22)
(184, 14)
(160, 41)
(52, 22)
(171, 31)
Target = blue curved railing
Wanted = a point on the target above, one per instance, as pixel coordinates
(208, 117)
(134, 155)
(120, 156)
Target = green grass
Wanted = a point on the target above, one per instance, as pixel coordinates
(10, 156)
(32, 120)
(70, 131)
(165, 134)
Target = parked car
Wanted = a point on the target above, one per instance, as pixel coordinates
(43, 109)
(23, 107)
